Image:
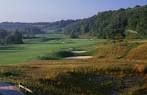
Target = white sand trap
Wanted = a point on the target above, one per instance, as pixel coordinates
(79, 51)
(79, 57)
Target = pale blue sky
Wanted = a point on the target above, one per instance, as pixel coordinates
(53, 10)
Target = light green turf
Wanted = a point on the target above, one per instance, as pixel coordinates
(20, 53)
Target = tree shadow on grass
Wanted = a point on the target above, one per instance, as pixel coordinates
(11, 48)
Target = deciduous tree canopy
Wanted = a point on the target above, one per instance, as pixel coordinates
(10, 37)
(110, 24)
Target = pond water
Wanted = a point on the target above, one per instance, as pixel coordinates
(9, 89)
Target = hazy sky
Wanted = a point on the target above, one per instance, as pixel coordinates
(53, 10)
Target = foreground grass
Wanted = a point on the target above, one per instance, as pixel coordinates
(78, 77)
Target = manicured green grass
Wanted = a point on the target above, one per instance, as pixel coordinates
(25, 52)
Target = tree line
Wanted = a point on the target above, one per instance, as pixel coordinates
(7, 37)
(36, 28)
(111, 24)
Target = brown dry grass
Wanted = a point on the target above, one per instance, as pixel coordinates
(114, 51)
(137, 90)
(139, 68)
(139, 53)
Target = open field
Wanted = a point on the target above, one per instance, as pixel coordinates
(20, 53)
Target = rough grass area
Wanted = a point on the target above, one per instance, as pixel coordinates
(114, 51)
(78, 77)
(138, 53)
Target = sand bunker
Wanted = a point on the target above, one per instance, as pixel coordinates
(79, 51)
(80, 57)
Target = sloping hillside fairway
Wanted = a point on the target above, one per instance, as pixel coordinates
(20, 53)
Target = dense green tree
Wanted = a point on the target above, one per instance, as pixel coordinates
(14, 38)
(111, 24)
(10, 37)
(3, 34)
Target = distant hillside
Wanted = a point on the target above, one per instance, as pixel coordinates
(43, 26)
(53, 26)
(110, 24)
(25, 28)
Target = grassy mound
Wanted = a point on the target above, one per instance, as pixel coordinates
(113, 51)
(57, 55)
(139, 53)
